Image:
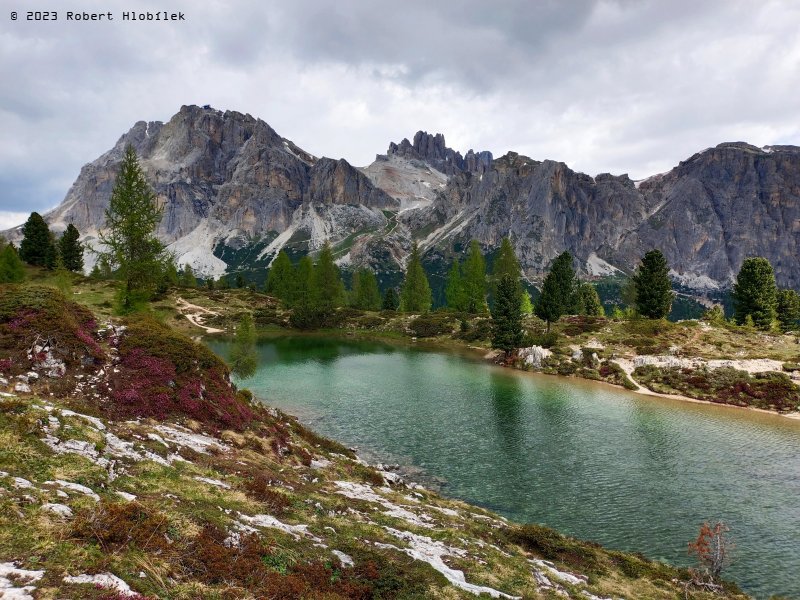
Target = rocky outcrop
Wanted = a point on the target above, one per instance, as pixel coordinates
(433, 150)
(719, 207)
(706, 215)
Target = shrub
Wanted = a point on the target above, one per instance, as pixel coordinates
(545, 340)
(163, 373)
(578, 324)
(725, 385)
(480, 330)
(432, 324)
(551, 545)
(31, 313)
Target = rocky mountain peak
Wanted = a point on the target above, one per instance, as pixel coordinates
(433, 150)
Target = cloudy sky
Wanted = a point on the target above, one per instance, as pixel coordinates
(622, 86)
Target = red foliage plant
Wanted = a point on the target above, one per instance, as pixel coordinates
(162, 373)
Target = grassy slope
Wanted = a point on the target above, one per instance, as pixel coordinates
(170, 541)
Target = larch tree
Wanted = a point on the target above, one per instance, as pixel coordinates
(187, 278)
(474, 279)
(558, 290)
(416, 293)
(244, 359)
(755, 293)
(280, 279)
(70, 249)
(129, 234)
(654, 293)
(12, 269)
(327, 289)
(365, 294)
(454, 288)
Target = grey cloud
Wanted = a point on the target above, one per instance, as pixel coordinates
(621, 86)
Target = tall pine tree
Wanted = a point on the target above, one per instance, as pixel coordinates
(37, 247)
(506, 263)
(71, 249)
(558, 290)
(755, 293)
(654, 293)
(454, 289)
(187, 278)
(244, 358)
(365, 294)
(507, 315)
(280, 279)
(327, 289)
(474, 279)
(416, 293)
(129, 234)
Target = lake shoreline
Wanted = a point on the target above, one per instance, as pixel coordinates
(481, 354)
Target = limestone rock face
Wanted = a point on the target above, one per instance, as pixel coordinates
(433, 150)
(719, 207)
(218, 176)
(707, 214)
(234, 193)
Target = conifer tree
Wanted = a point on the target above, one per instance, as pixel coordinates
(526, 304)
(474, 279)
(327, 288)
(300, 290)
(505, 263)
(240, 282)
(558, 290)
(365, 293)
(244, 359)
(654, 293)
(129, 234)
(280, 279)
(187, 279)
(588, 302)
(755, 293)
(788, 310)
(12, 270)
(454, 289)
(37, 246)
(390, 300)
(71, 249)
(416, 293)
(507, 315)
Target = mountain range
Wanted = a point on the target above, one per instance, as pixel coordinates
(234, 192)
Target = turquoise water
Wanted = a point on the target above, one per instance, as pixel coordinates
(631, 472)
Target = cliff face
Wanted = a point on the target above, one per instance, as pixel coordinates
(234, 192)
(719, 207)
(220, 177)
(706, 215)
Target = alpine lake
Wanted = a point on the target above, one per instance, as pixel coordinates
(632, 472)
